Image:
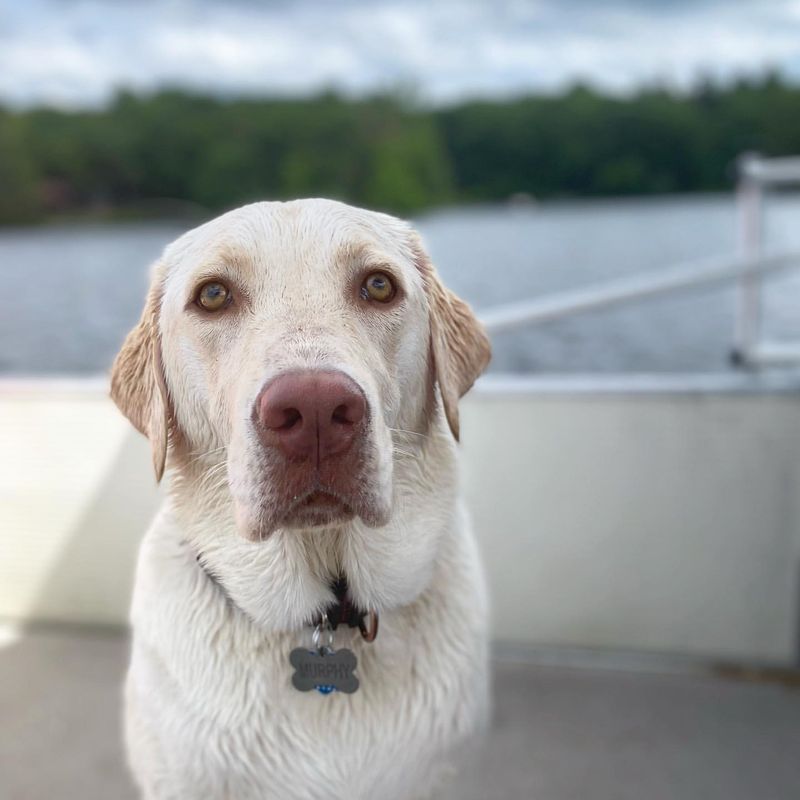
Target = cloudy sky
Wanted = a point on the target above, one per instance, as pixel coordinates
(76, 52)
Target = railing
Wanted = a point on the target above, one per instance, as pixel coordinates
(756, 175)
(748, 270)
(689, 275)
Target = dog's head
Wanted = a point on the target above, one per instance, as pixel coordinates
(286, 343)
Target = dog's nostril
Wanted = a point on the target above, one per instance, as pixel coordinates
(341, 415)
(290, 418)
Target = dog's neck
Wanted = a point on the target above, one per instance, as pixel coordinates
(286, 580)
(342, 612)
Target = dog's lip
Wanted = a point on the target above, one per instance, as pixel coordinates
(321, 499)
(317, 507)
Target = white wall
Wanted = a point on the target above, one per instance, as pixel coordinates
(76, 493)
(665, 522)
(656, 521)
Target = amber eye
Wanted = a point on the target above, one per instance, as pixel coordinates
(213, 296)
(378, 286)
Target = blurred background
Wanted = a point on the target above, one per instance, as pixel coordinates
(614, 186)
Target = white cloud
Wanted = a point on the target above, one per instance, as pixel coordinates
(76, 52)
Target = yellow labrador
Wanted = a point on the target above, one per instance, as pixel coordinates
(297, 369)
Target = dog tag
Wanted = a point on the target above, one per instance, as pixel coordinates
(325, 670)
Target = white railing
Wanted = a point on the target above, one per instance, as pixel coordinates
(756, 176)
(747, 269)
(689, 275)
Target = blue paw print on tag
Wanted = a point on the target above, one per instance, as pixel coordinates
(325, 688)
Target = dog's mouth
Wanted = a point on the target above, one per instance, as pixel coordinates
(317, 508)
(272, 493)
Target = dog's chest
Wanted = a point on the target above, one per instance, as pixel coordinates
(238, 727)
(212, 711)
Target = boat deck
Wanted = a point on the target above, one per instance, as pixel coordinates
(557, 734)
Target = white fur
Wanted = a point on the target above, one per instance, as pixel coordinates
(211, 712)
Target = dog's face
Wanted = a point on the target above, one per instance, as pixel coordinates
(287, 342)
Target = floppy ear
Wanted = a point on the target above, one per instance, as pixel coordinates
(460, 347)
(137, 381)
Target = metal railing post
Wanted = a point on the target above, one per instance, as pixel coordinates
(749, 197)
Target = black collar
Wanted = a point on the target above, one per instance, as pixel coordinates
(342, 612)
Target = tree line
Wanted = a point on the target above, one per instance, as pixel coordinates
(175, 152)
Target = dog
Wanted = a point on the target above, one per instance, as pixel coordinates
(297, 369)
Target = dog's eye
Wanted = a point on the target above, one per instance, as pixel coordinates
(213, 296)
(378, 286)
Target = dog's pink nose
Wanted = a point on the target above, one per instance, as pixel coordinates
(311, 415)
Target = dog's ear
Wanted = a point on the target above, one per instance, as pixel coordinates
(137, 381)
(460, 348)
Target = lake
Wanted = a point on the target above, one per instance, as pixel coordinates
(76, 290)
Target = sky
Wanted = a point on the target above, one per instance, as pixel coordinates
(77, 53)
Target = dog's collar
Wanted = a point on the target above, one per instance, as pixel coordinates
(342, 612)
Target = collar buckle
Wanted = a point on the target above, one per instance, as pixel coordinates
(343, 612)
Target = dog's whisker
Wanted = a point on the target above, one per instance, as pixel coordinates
(215, 469)
(211, 471)
(198, 456)
(207, 480)
(220, 484)
(406, 453)
(409, 433)
(207, 452)
(214, 480)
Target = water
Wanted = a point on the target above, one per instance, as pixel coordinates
(71, 293)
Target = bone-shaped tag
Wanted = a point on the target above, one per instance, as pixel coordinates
(324, 670)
